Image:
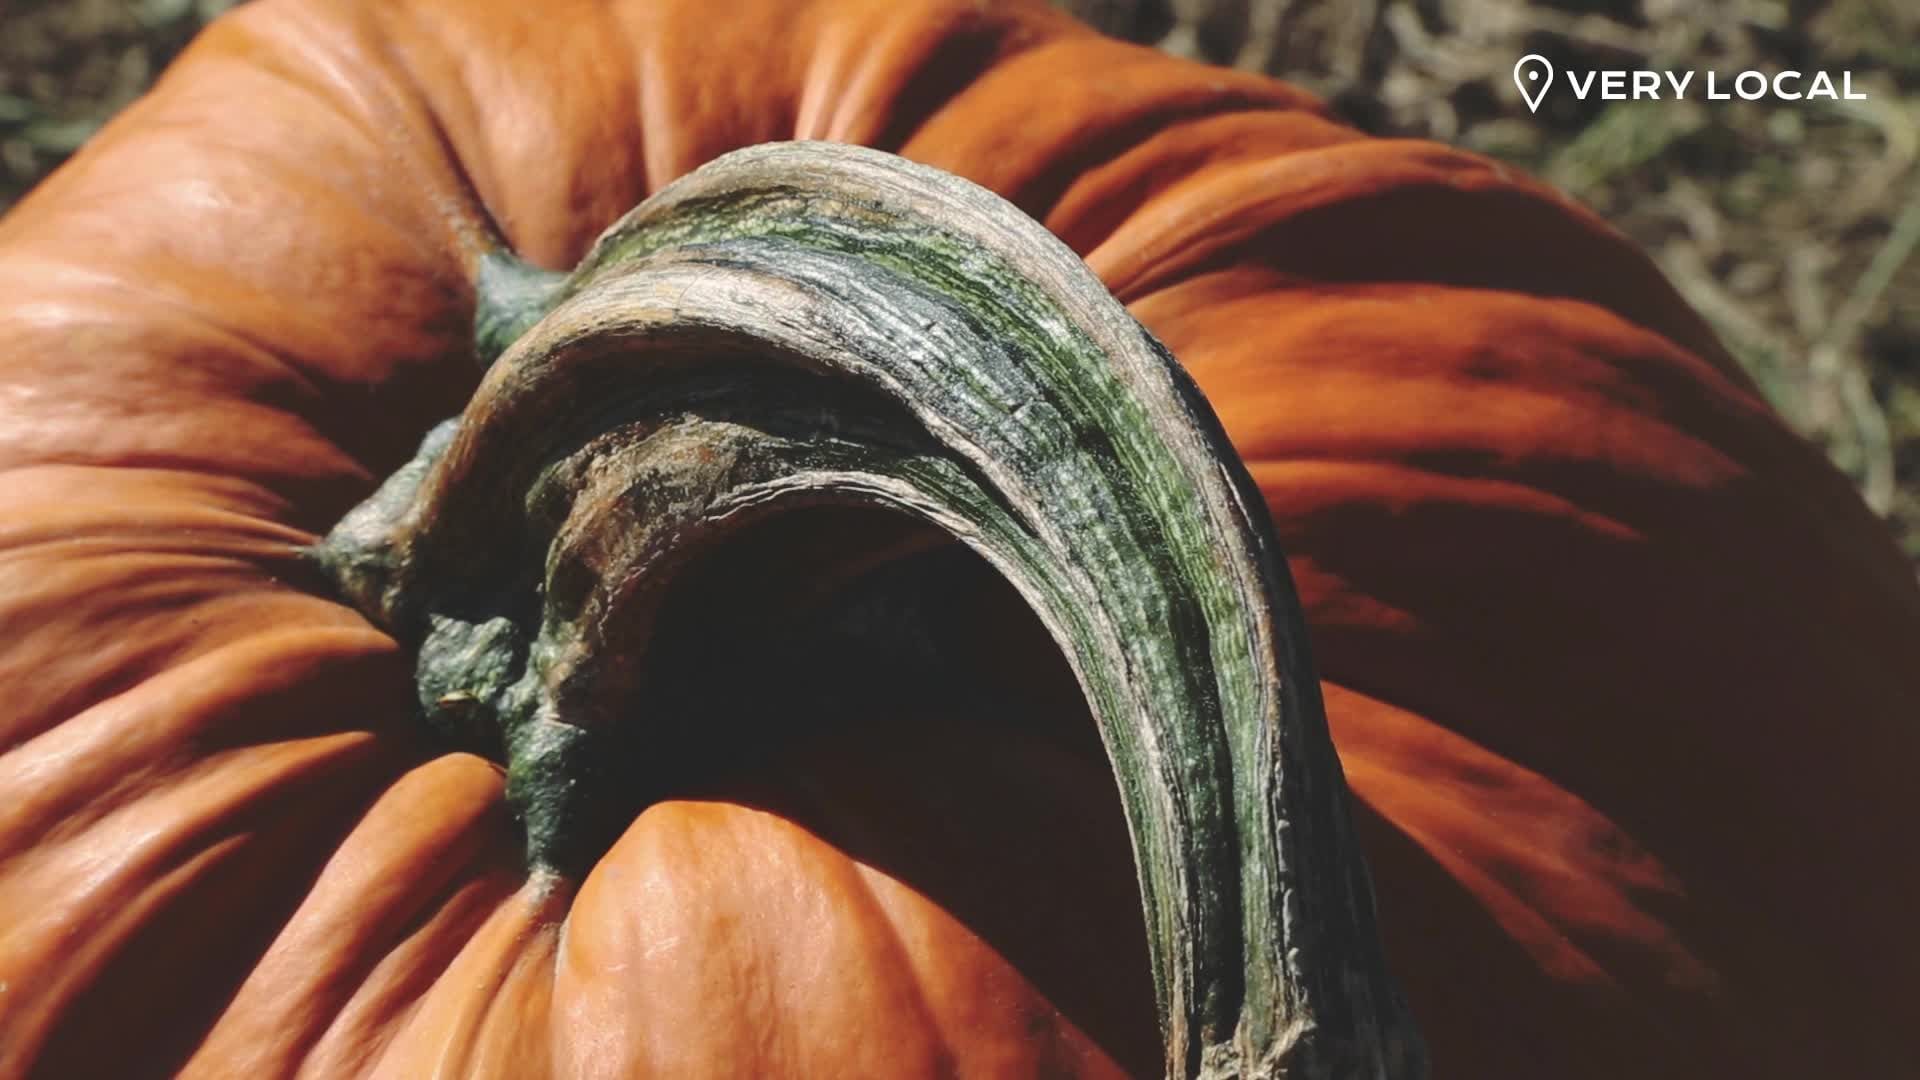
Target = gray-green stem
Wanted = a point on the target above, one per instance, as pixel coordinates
(800, 325)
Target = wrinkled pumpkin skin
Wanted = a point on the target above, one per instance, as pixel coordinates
(1621, 672)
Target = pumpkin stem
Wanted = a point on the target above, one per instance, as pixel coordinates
(510, 295)
(799, 325)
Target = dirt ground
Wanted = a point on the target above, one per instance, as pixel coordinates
(1793, 228)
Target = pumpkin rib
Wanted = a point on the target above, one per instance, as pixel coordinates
(503, 1042)
(90, 745)
(159, 618)
(992, 128)
(944, 60)
(1481, 783)
(434, 829)
(704, 841)
(664, 933)
(425, 151)
(76, 970)
(1041, 197)
(1403, 484)
(379, 1011)
(190, 710)
(165, 298)
(1721, 441)
(119, 425)
(446, 1031)
(127, 914)
(1099, 200)
(231, 49)
(184, 808)
(471, 215)
(861, 892)
(1030, 763)
(104, 562)
(1494, 340)
(1397, 210)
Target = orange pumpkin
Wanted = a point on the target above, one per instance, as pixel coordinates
(1620, 671)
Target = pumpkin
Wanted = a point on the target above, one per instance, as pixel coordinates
(1619, 671)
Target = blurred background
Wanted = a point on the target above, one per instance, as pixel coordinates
(1792, 227)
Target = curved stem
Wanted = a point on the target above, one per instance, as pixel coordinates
(807, 324)
(513, 296)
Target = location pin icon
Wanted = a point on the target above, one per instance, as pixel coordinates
(1533, 74)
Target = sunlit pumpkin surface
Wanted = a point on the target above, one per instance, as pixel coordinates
(1623, 675)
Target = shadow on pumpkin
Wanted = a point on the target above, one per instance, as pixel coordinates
(896, 698)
